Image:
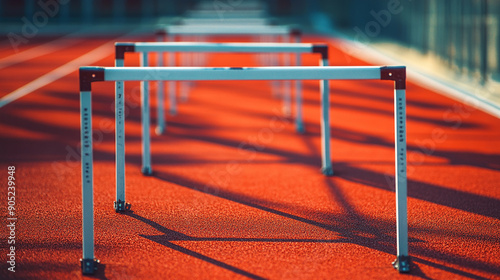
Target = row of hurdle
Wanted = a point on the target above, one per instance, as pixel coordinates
(119, 74)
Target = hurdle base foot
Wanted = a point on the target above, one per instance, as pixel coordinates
(121, 206)
(159, 130)
(89, 266)
(327, 171)
(402, 264)
(147, 171)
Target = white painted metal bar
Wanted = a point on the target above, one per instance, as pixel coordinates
(227, 21)
(87, 175)
(241, 73)
(226, 29)
(226, 14)
(145, 118)
(172, 85)
(326, 164)
(160, 97)
(287, 85)
(120, 140)
(299, 123)
(401, 179)
(222, 47)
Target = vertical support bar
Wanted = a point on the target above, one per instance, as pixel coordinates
(160, 95)
(119, 204)
(172, 91)
(161, 124)
(402, 262)
(299, 124)
(88, 262)
(275, 61)
(186, 59)
(287, 84)
(326, 165)
(146, 141)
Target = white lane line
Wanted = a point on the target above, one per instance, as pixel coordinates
(37, 51)
(86, 59)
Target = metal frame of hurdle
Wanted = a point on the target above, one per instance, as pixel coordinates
(168, 33)
(88, 75)
(146, 48)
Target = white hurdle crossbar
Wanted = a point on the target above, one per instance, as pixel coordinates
(88, 75)
(161, 47)
(283, 33)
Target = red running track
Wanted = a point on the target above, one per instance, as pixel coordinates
(233, 198)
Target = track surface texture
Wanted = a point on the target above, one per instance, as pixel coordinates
(236, 192)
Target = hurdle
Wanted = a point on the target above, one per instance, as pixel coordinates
(89, 75)
(168, 33)
(146, 48)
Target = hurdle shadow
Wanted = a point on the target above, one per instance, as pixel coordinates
(171, 235)
(351, 227)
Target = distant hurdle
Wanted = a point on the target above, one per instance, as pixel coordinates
(277, 33)
(146, 48)
(88, 75)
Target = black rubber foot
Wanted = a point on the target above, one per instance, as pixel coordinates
(327, 171)
(402, 264)
(147, 171)
(89, 266)
(121, 206)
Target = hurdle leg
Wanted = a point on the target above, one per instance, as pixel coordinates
(146, 137)
(172, 94)
(186, 60)
(160, 96)
(287, 85)
(299, 124)
(402, 263)
(120, 203)
(88, 262)
(326, 165)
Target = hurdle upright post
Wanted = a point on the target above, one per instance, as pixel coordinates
(299, 123)
(172, 85)
(398, 75)
(120, 204)
(326, 164)
(88, 262)
(287, 85)
(160, 94)
(146, 137)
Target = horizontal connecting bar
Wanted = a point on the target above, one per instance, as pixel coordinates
(221, 47)
(253, 21)
(240, 73)
(227, 30)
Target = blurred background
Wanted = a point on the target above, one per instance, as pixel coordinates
(459, 35)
